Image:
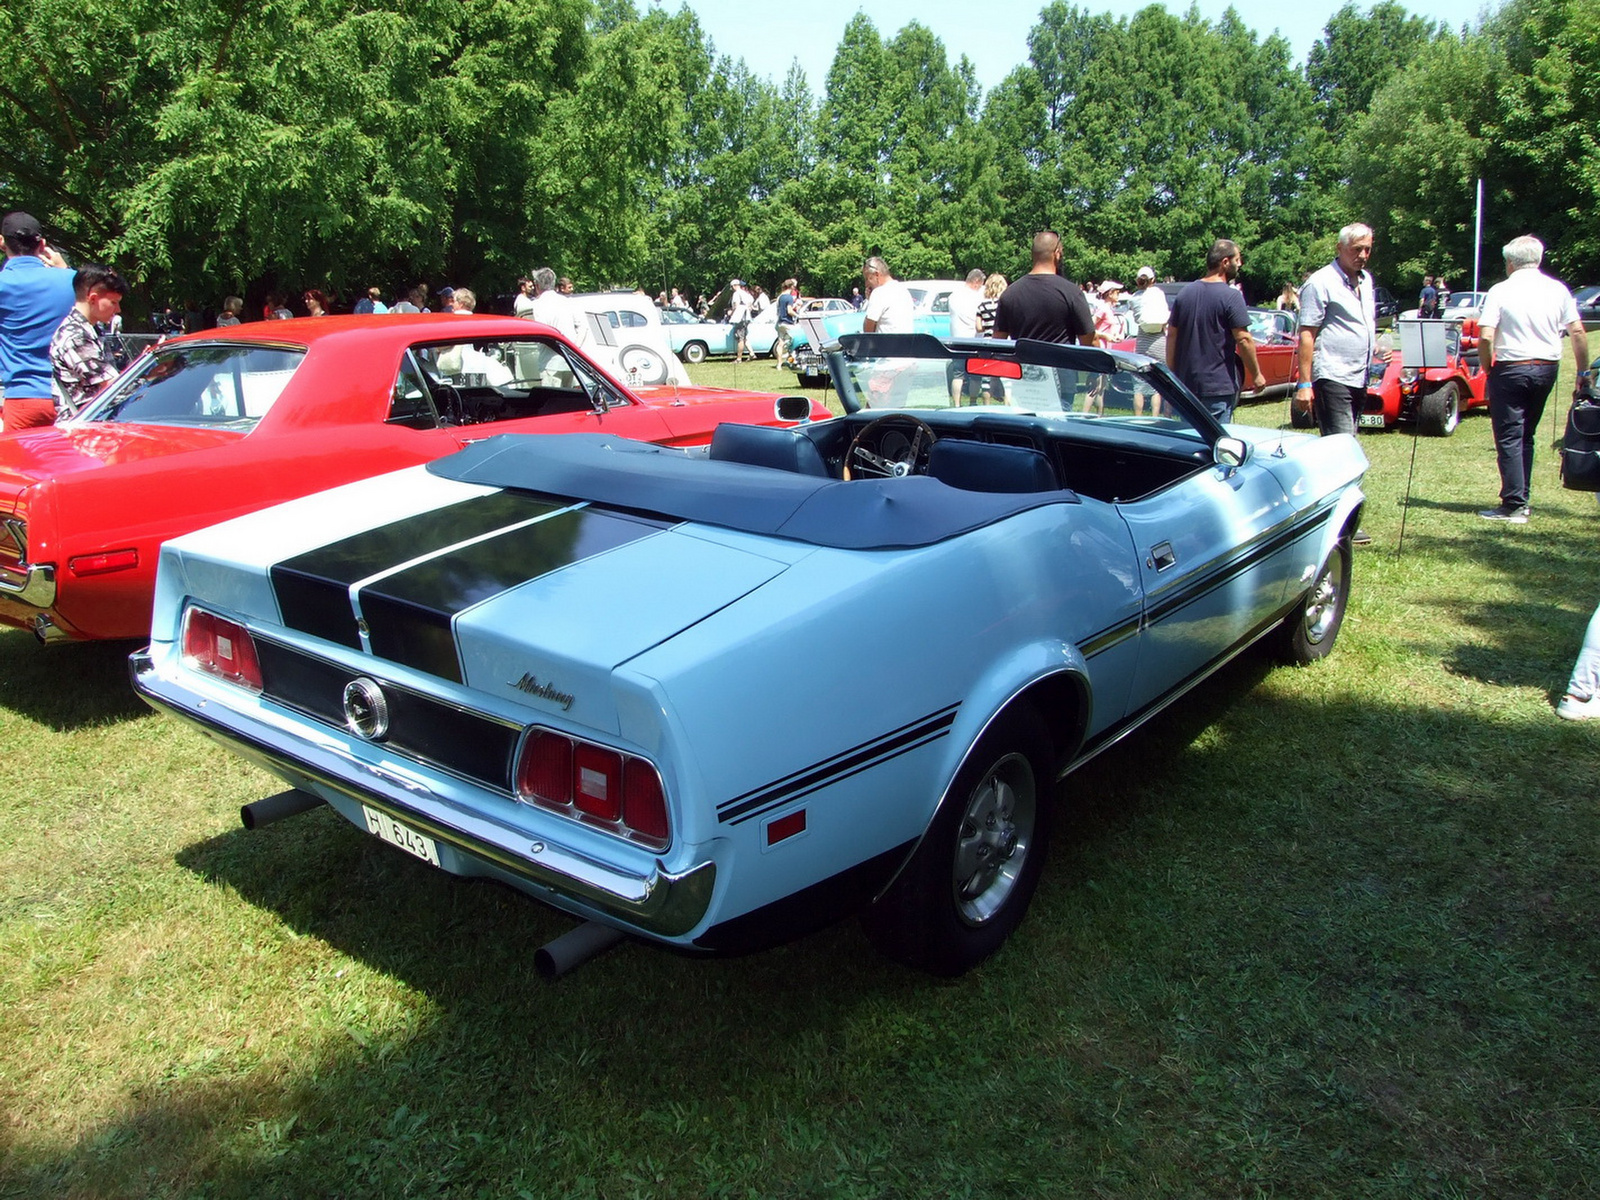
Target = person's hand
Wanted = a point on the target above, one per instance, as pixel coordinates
(1382, 354)
(1259, 382)
(50, 256)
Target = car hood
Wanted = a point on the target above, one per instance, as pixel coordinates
(51, 452)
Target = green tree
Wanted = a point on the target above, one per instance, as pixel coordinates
(1357, 54)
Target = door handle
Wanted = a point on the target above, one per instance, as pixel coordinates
(1161, 557)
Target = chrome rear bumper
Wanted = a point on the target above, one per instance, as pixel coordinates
(29, 584)
(662, 903)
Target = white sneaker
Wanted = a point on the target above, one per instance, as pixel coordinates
(1576, 708)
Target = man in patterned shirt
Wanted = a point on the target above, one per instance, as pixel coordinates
(78, 360)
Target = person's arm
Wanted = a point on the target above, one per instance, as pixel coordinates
(1308, 343)
(1486, 347)
(1580, 351)
(1172, 348)
(1246, 346)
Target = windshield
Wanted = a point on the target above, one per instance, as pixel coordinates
(928, 375)
(206, 383)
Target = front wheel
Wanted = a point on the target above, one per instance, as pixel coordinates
(1310, 630)
(694, 353)
(1439, 412)
(968, 885)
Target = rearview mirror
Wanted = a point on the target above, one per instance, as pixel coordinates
(793, 410)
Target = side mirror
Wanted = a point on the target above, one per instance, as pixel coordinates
(1229, 452)
(792, 410)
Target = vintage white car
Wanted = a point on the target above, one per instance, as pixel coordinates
(721, 701)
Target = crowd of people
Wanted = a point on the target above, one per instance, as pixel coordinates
(54, 356)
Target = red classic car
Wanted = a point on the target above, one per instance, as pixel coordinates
(1277, 351)
(214, 425)
(1432, 399)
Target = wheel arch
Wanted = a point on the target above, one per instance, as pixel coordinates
(1060, 696)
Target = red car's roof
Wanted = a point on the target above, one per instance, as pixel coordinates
(399, 327)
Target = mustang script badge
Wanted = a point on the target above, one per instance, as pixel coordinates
(366, 709)
(545, 691)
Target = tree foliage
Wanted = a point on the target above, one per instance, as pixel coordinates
(336, 143)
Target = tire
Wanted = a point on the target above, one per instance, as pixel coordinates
(694, 353)
(1311, 629)
(968, 885)
(1439, 412)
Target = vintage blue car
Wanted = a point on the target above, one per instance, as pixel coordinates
(721, 700)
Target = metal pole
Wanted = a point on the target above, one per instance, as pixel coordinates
(1477, 235)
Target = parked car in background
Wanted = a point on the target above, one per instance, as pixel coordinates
(1462, 306)
(1277, 351)
(1588, 302)
(694, 340)
(720, 702)
(1385, 307)
(214, 424)
(1431, 400)
(931, 298)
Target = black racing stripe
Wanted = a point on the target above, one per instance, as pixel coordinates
(313, 589)
(839, 766)
(466, 744)
(1231, 571)
(409, 613)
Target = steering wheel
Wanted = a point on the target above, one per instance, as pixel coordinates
(892, 447)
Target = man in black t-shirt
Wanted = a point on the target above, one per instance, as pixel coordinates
(1047, 308)
(1208, 333)
(1042, 305)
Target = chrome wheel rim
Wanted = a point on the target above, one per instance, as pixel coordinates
(1322, 605)
(994, 838)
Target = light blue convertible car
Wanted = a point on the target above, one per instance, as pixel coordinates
(659, 691)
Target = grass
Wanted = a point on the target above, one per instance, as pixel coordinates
(1330, 932)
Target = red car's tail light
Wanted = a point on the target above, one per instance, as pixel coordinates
(595, 784)
(220, 647)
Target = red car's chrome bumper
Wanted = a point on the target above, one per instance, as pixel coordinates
(32, 585)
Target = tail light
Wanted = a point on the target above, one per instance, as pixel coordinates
(594, 784)
(220, 647)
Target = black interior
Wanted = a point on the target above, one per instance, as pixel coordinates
(1095, 459)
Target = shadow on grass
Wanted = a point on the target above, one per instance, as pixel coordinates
(70, 685)
(1322, 924)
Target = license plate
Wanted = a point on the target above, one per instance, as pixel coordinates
(1370, 420)
(396, 834)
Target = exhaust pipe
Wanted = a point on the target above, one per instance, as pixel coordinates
(276, 808)
(574, 948)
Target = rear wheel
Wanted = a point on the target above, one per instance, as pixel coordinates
(1439, 412)
(968, 884)
(694, 352)
(1310, 630)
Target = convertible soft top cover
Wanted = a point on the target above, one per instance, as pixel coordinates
(878, 514)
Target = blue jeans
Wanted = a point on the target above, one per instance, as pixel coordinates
(1221, 407)
(1517, 394)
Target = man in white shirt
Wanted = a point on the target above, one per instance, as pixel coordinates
(890, 308)
(1520, 346)
(552, 308)
(964, 303)
(739, 306)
